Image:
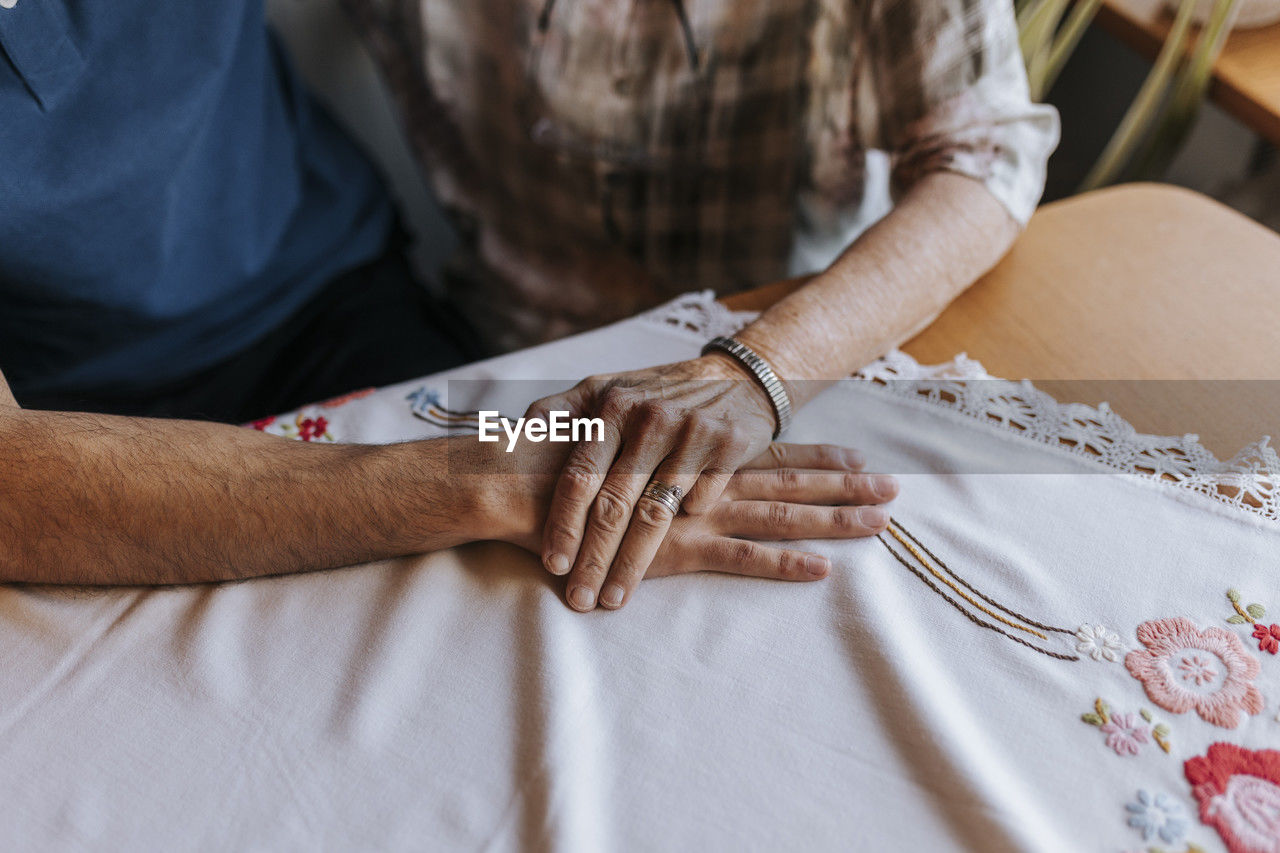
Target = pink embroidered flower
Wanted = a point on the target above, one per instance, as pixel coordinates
(1183, 667)
(1268, 638)
(1196, 669)
(1125, 733)
(310, 429)
(262, 423)
(1239, 795)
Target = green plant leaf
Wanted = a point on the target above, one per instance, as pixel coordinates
(1146, 715)
(1257, 611)
(1091, 719)
(1146, 104)
(1188, 91)
(1161, 730)
(1237, 619)
(1233, 595)
(1063, 45)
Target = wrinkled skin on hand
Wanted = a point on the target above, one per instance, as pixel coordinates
(789, 492)
(688, 425)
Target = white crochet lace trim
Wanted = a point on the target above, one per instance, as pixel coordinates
(699, 314)
(1249, 481)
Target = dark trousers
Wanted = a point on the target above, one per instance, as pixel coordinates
(374, 325)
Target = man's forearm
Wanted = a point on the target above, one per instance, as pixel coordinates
(888, 285)
(94, 499)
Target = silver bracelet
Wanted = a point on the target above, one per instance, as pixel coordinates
(763, 373)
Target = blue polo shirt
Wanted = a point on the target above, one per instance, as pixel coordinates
(169, 193)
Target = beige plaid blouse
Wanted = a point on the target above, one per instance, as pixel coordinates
(600, 156)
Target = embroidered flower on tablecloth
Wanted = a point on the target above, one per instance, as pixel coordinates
(1125, 733)
(1239, 795)
(1268, 637)
(1158, 815)
(1098, 642)
(301, 428)
(1185, 668)
(313, 429)
(1197, 670)
(423, 399)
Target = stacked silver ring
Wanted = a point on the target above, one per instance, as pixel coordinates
(668, 496)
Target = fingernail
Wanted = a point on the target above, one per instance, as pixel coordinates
(815, 565)
(853, 458)
(611, 595)
(558, 564)
(873, 516)
(582, 598)
(884, 486)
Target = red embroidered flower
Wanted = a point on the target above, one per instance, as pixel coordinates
(1239, 795)
(262, 423)
(346, 398)
(1268, 638)
(309, 429)
(1183, 667)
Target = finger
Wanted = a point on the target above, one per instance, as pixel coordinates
(576, 490)
(728, 450)
(650, 522)
(812, 487)
(708, 489)
(575, 401)
(743, 557)
(780, 520)
(610, 516)
(829, 457)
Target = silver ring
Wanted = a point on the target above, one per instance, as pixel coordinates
(668, 496)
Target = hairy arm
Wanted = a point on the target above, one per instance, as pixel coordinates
(96, 499)
(93, 499)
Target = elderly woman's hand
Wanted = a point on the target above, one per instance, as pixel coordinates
(765, 502)
(688, 425)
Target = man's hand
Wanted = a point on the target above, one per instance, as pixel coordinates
(791, 492)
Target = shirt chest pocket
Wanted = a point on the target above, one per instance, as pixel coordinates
(35, 36)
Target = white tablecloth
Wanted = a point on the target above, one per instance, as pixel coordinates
(454, 702)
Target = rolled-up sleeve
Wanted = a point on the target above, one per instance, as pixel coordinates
(948, 92)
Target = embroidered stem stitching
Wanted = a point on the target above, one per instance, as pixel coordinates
(915, 552)
(1250, 614)
(1015, 614)
(1160, 731)
(1268, 636)
(974, 619)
